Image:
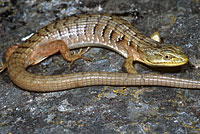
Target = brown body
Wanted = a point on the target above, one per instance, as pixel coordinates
(99, 30)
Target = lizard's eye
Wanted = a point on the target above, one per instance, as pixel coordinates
(168, 57)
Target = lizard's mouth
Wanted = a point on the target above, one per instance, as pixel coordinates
(164, 62)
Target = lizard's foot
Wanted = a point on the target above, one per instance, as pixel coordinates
(79, 55)
(2, 66)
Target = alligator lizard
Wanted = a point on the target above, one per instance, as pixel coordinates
(93, 30)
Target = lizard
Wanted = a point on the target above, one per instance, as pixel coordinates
(93, 30)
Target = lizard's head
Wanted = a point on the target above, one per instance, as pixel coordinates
(165, 55)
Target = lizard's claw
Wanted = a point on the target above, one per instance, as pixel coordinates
(79, 55)
(2, 66)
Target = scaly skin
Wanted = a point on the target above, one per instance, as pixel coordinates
(94, 30)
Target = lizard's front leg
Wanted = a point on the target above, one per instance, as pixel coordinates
(129, 65)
